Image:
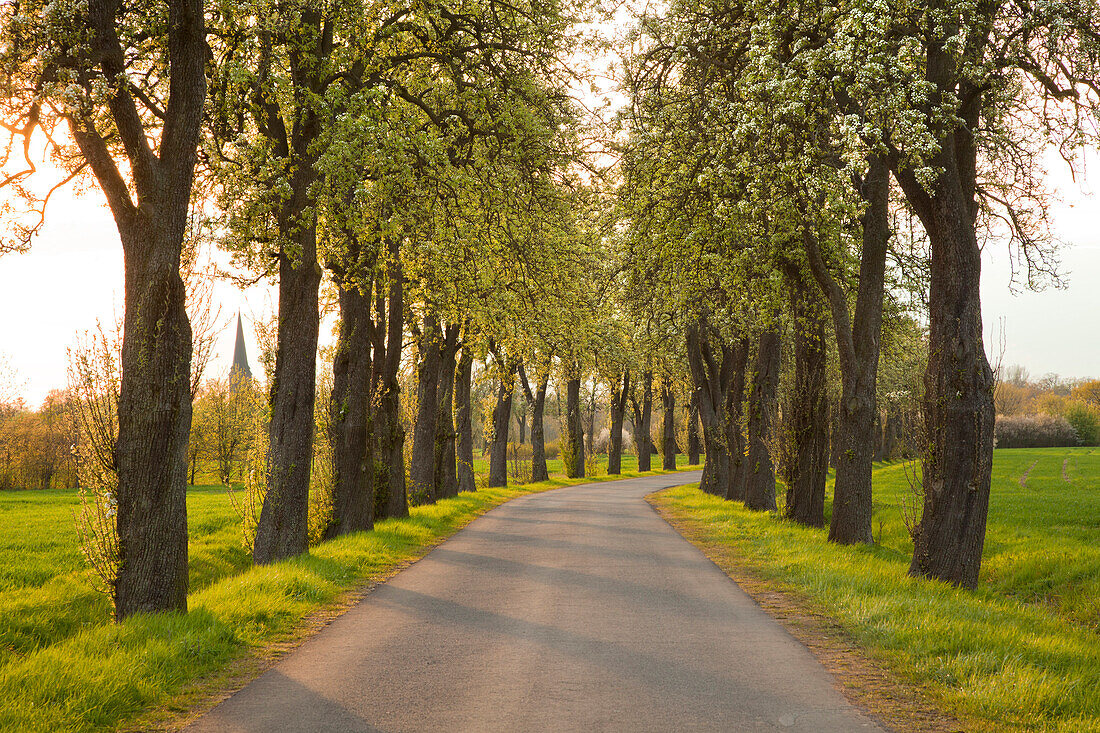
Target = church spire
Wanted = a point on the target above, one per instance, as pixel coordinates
(240, 356)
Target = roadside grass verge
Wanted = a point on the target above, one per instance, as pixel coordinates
(89, 674)
(1020, 653)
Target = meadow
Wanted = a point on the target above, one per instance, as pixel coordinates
(1020, 653)
(65, 666)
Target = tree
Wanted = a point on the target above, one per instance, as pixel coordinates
(132, 95)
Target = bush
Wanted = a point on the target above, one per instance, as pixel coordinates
(552, 450)
(1034, 431)
(1085, 421)
(519, 463)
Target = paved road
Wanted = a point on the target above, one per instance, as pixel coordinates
(573, 610)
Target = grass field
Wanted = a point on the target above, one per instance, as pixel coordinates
(65, 666)
(1020, 653)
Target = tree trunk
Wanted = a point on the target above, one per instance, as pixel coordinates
(422, 463)
(858, 348)
(619, 392)
(668, 429)
(538, 435)
(735, 397)
(154, 407)
(282, 529)
(350, 415)
(463, 423)
(643, 424)
(760, 478)
(445, 482)
(958, 402)
(389, 489)
(809, 420)
(521, 423)
(154, 422)
(590, 421)
(711, 373)
(574, 435)
(694, 447)
(502, 418)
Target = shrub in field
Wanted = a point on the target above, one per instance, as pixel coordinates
(1034, 431)
(552, 450)
(1085, 420)
(519, 463)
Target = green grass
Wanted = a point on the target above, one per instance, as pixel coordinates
(1020, 653)
(65, 666)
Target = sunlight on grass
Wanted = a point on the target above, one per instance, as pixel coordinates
(1020, 653)
(64, 666)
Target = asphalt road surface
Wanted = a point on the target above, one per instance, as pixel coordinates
(578, 609)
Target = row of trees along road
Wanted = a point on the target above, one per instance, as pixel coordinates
(350, 138)
(429, 164)
(773, 152)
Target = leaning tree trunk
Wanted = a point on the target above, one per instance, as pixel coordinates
(422, 460)
(858, 349)
(574, 434)
(711, 374)
(502, 418)
(809, 420)
(389, 474)
(445, 480)
(694, 446)
(958, 403)
(760, 479)
(735, 396)
(283, 527)
(349, 415)
(619, 392)
(643, 425)
(668, 426)
(463, 424)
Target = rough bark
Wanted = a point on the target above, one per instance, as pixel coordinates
(711, 368)
(808, 425)
(620, 390)
(538, 434)
(502, 418)
(857, 338)
(282, 528)
(958, 403)
(694, 445)
(643, 423)
(445, 479)
(668, 426)
(735, 397)
(389, 465)
(574, 434)
(463, 424)
(590, 421)
(422, 460)
(154, 409)
(760, 471)
(350, 414)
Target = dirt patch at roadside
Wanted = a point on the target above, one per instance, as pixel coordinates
(866, 683)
